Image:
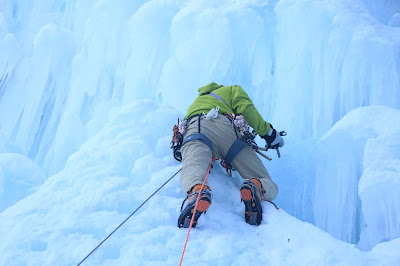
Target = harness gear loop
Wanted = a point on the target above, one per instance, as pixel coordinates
(228, 169)
(176, 131)
(195, 208)
(176, 142)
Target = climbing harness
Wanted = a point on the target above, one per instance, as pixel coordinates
(248, 138)
(128, 217)
(238, 124)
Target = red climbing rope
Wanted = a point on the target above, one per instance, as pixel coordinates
(195, 209)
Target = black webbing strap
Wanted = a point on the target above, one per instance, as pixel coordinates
(234, 150)
(199, 136)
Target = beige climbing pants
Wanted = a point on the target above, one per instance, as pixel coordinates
(196, 155)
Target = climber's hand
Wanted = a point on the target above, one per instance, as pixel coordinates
(273, 139)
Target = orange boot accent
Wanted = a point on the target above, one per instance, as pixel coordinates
(203, 204)
(196, 188)
(246, 194)
(256, 182)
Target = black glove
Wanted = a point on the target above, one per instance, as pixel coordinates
(273, 139)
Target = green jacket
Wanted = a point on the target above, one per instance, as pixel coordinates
(235, 101)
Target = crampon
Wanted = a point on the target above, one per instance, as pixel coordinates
(251, 197)
(187, 213)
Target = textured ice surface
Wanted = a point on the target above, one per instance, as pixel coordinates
(67, 67)
(346, 182)
(365, 149)
(19, 177)
(115, 171)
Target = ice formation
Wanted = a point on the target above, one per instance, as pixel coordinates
(80, 79)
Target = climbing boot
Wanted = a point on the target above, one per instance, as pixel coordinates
(187, 212)
(251, 193)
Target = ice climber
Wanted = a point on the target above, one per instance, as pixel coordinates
(209, 130)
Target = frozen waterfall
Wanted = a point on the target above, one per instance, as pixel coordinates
(327, 72)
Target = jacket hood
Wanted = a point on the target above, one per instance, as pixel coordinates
(209, 88)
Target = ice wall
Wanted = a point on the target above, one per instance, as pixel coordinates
(379, 185)
(329, 63)
(346, 182)
(361, 155)
(69, 65)
(65, 66)
(385, 11)
(62, 70)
